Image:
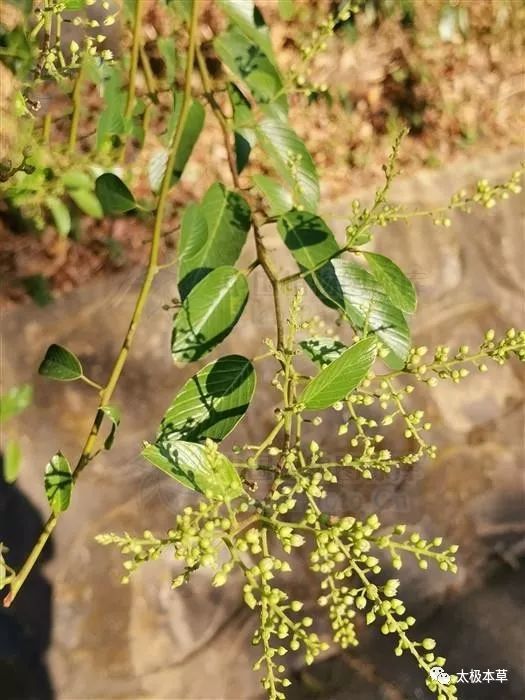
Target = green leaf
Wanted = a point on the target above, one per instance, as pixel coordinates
(311, 243)
(3, 568)
(111, 121)
(322, 351)
(242, 13)
(16, 400)
(286, 9)
(157, 168)
(113, 194)
(212, 234)
(208, 313)
(87, 202)
(279, 198)
(190, 132)
(77, 180)
(197, 467)
(308, 238)
(244, 136)
(339, 378)
(61, 364)
(396, 284)
(58, 482)
(60, 214)
(113, 413)
(37, 286)
(168, 51)
(350, 288)
(291, 160)
(11, 461)
(212, 402)
(74, 4)
(247, 61)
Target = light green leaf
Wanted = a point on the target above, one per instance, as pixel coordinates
(157, 168)
(242, 13)
(60, 214)
(279, 198)
(113, 413)
(339, 378)
(212, 234)
(11, 459)
(87, 202)
(322, 351)
(16, 400)
(61, 364)
(168, 51)
(351, 289)
(308, 238)
(113, 194)
(291, 159)
(212, 402)
(197, 467)
(77, 180)
(58, 482)
(247, 61)
(396, 284)
(208, 313)
(111, 120)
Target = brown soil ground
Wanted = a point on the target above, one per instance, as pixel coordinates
(460, 89)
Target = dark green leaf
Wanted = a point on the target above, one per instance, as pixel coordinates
(339, 378)
(198, 467)
(279, 198)
(246, 60)
(212, 234)
(190, 133)
(242, 14)
(212, 402)
(396, 284)
(87, 202)
(113, 413)
(60, 214)
(322, 351)
(208, 313)
(16, 400)
(113, 194)
(37, 286)
(58, 482)
(61, 364)
(11, 461)
(350, 288)
(291, 160)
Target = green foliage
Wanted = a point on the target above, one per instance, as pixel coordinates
(61, 364)
(241, 521)
(113, 195)
(58, 482)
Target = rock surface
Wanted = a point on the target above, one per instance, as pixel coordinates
(144, 640)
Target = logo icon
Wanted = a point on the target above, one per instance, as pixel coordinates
(438, 674)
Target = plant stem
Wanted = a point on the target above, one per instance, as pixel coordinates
(151, 271)
(75, 119)
(134, 58)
